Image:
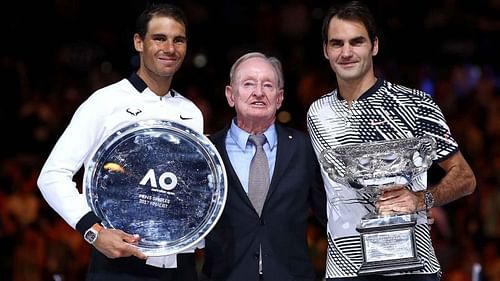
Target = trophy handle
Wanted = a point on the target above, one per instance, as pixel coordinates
(426, 154)
(326, 161)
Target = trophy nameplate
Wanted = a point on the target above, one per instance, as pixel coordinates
(388, 241)
(160, 180)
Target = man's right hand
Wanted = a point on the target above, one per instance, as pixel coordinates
(115, 243)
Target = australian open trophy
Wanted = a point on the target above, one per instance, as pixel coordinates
(158, 179)
(388, 241)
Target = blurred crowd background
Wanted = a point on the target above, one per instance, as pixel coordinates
(57, 52)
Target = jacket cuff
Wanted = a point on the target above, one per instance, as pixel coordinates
(86, 222)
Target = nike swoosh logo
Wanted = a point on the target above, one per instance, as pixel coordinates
(376, 123)
(134, 111)
(185, 118)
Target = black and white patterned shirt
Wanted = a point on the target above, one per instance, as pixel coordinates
(385, 112)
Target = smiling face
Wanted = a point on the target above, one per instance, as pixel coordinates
(255, 94)
(349, 50)
(163, 48)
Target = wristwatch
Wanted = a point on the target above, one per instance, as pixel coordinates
(428, 200)
(91, 234)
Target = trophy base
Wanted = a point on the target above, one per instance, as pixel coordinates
(372, 222)
(388, 244)
(389, 266)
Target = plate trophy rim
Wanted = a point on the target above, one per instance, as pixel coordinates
(216, 165)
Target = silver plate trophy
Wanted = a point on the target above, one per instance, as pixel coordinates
(388, 241)
(158, 179)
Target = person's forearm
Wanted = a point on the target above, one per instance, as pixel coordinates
(459, 181)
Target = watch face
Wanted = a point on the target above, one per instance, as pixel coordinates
(160, 180)
(90, 236)
(429, 200)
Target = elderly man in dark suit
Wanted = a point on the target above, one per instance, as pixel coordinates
(262, 232)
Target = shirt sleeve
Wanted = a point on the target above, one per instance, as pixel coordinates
(431, 122)
(67, 157)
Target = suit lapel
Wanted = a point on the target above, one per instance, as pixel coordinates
(234, 184)
(284, 154)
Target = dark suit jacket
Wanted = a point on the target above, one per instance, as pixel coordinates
(232, 247)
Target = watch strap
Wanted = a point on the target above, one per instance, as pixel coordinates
(97, 227)
(92, 233)
(428, 200)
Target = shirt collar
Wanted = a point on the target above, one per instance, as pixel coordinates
(240, 137)
(140, 85)
(371, 91)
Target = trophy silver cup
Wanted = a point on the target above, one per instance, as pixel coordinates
(158, 179)
(388, 241)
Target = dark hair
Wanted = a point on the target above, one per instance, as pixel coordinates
(352, 11)
(163, 10)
